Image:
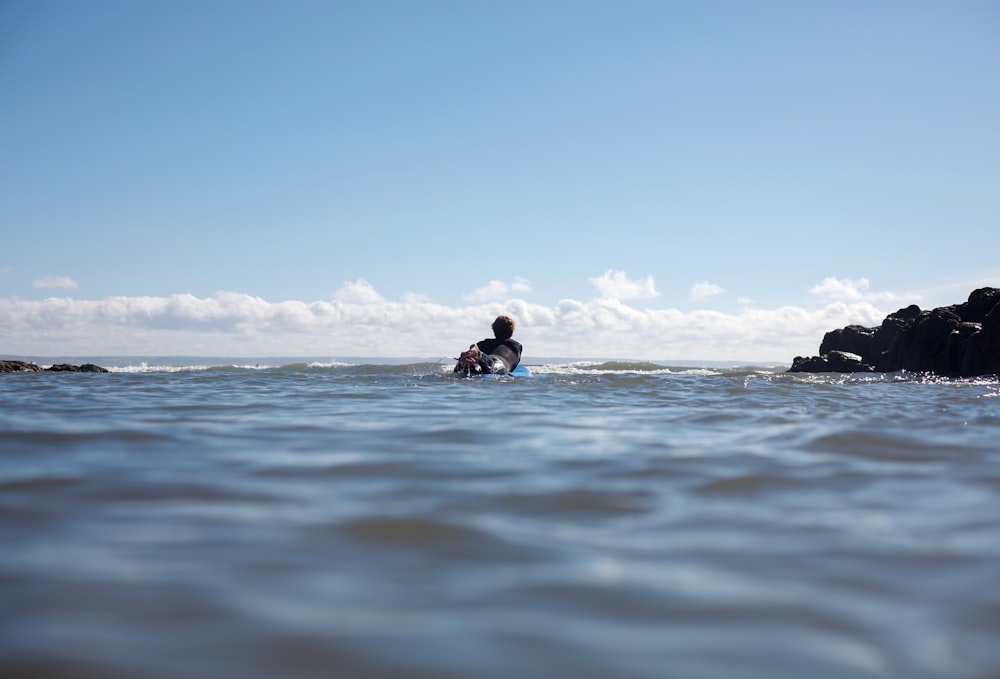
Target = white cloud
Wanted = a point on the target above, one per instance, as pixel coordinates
(493, 291)
(617, 285)
(360, 322)
(847, 290)
(62, 282)
(497, 290)
(358, 292)
(705, 290)
(841, 288)
(415, 298)
(521, 285)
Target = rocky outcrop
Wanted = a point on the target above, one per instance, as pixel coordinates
(23, 366)
(962, 340)
(18, 367)
(831, 362)
(85, 368)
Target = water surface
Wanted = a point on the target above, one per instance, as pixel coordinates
(594, 520)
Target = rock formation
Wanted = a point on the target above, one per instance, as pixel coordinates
(23, 366)
(68, 368)
(962, 340)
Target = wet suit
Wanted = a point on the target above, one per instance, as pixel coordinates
(499, 358)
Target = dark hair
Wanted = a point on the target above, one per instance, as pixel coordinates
(503, 327)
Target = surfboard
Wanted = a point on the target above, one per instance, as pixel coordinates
(519, 371)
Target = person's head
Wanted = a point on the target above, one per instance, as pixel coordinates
(503, 327)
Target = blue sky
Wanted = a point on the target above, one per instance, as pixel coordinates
(714, 180)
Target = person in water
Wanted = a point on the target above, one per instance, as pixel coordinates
(497, 356)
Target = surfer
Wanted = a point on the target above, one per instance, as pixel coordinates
(496, 356)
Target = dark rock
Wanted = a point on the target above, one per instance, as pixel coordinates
(68, 368)
(922, 344)
(846, 362)
(832, 362)
(23, 366)
(981, 303)
(958, 346)
(990, 339)
(907, 314)
(810, 364)
(885, 344)
(17, 367)
(982, 350)
(854, 339)
(962, 340)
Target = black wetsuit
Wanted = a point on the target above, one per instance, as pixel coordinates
(500, 357)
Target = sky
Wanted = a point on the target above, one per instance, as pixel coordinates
(631, 179)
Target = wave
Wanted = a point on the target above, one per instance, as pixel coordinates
(380, 367)
(167, 364)
(620, 367)
(147, 367)
(387, 366)
(154, 366)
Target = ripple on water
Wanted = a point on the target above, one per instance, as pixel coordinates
(624, 522)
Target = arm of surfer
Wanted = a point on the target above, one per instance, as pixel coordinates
(471, 356)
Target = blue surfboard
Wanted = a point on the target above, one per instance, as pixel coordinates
(519, 371)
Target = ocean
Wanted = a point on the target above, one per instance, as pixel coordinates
(318, 519)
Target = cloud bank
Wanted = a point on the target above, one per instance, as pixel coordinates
(358, 321)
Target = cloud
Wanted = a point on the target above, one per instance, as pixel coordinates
(415, 298)
(497, 290)
(617, 285)
(521, 285)
(360, 322)
(847, 290)
(494, 290)
(841, 288)
(358, 292)
(55, 282)
(704, 290)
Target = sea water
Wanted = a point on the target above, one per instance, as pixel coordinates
(593, 520)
